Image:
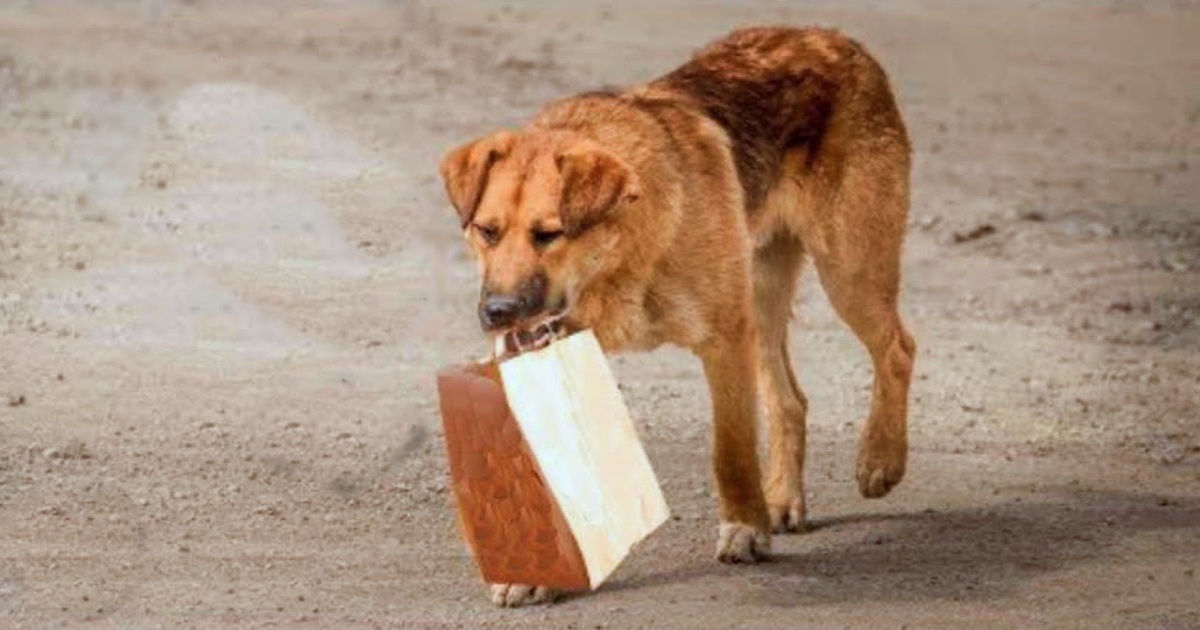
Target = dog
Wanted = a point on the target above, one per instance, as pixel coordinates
(681, 211)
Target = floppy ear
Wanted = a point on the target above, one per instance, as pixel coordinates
(465, 171)
(593, 182)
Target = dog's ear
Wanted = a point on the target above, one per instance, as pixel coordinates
(593, 182)
(465, 171)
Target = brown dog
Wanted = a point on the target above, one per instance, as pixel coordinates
(680, 212)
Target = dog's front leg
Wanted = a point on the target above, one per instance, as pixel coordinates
(518, 595)
(729, 365)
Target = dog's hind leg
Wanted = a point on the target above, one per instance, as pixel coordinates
(855, 244)
(776, 270)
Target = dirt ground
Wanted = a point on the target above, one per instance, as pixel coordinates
(228, 276)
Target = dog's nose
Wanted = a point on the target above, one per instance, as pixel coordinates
(498, 311)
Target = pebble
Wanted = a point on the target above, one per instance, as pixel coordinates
(1174, 261)
(1029, 214)
(928, 223)
(1146, 326)
(975, 233)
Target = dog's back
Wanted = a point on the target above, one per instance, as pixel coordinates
(778, 90)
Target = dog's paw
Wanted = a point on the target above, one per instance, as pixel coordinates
(518, 595)
(880, 468)
(740, 543)
(787, 516)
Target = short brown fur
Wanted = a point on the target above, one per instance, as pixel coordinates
(681, 211)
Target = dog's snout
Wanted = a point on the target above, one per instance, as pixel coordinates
(499, 311)
(503, 309)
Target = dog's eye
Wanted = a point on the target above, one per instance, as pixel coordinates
(490, 234)
(542, 238)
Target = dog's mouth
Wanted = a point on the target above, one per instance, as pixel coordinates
(533, 334)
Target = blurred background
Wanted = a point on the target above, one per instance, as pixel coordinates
(228, 276)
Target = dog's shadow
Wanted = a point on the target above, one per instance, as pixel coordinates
(970, 554)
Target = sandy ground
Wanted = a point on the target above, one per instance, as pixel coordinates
(228, 275)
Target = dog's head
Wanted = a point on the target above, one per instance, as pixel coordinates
(537, 208)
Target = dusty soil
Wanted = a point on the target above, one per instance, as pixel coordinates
(228, 275)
